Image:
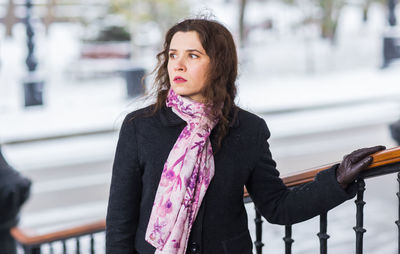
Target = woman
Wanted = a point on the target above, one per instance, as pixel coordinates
(14, 191)
(181, 164)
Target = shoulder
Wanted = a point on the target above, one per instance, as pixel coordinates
(252, 124)
(249, 119)
(245, 115)
(137, 117)
(140, 113)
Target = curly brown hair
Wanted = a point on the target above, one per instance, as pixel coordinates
(220, 87)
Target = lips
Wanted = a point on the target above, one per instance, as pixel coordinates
(179, 79)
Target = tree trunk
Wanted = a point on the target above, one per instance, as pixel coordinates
(365, 10)
(242, 29)
(330, 18)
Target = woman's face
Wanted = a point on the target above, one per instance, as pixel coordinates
(187, 65)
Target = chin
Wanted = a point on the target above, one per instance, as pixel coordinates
(180, 91)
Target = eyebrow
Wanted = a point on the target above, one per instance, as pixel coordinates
(189, 50)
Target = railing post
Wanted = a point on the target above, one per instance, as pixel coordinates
(32, 249)
(398, 221)
(64, 247)
(360, 216)
(78, 246)
(91, 244)
(323, 236)
(258, 221)
(288, 239)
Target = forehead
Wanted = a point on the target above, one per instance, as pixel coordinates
(186, 40)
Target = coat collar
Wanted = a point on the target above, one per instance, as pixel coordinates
(169, 118)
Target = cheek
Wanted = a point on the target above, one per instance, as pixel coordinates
(201, 71)
(169, 69)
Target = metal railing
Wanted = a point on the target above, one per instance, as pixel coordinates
(385, 162)
(31, 242)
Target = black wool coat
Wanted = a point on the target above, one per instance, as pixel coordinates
(221, 225)
(14, 191)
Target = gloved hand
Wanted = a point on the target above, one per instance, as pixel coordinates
(354, 163)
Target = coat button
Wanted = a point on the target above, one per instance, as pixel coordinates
(194, 248)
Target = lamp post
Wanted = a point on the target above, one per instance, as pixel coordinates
(391, 37)
(33, 86)
(392, 16)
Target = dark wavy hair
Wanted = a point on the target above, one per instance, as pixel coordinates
(220, 87)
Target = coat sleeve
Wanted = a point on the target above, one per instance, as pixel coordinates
(125, 193)
(285, 206)
(14, 191)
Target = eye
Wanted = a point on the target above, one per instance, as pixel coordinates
(172, 55)
(194, 56)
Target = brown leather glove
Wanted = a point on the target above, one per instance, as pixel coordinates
(354, 163)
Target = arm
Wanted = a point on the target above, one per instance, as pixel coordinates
(125, 193)
(14, 191)
(281, 205)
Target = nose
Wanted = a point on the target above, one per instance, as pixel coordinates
(180, 65)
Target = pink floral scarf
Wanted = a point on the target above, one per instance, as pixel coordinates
(185, 178)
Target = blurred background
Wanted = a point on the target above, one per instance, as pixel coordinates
(324, 74)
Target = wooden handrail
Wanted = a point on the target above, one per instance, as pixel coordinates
(29, 237)
(382, 158)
